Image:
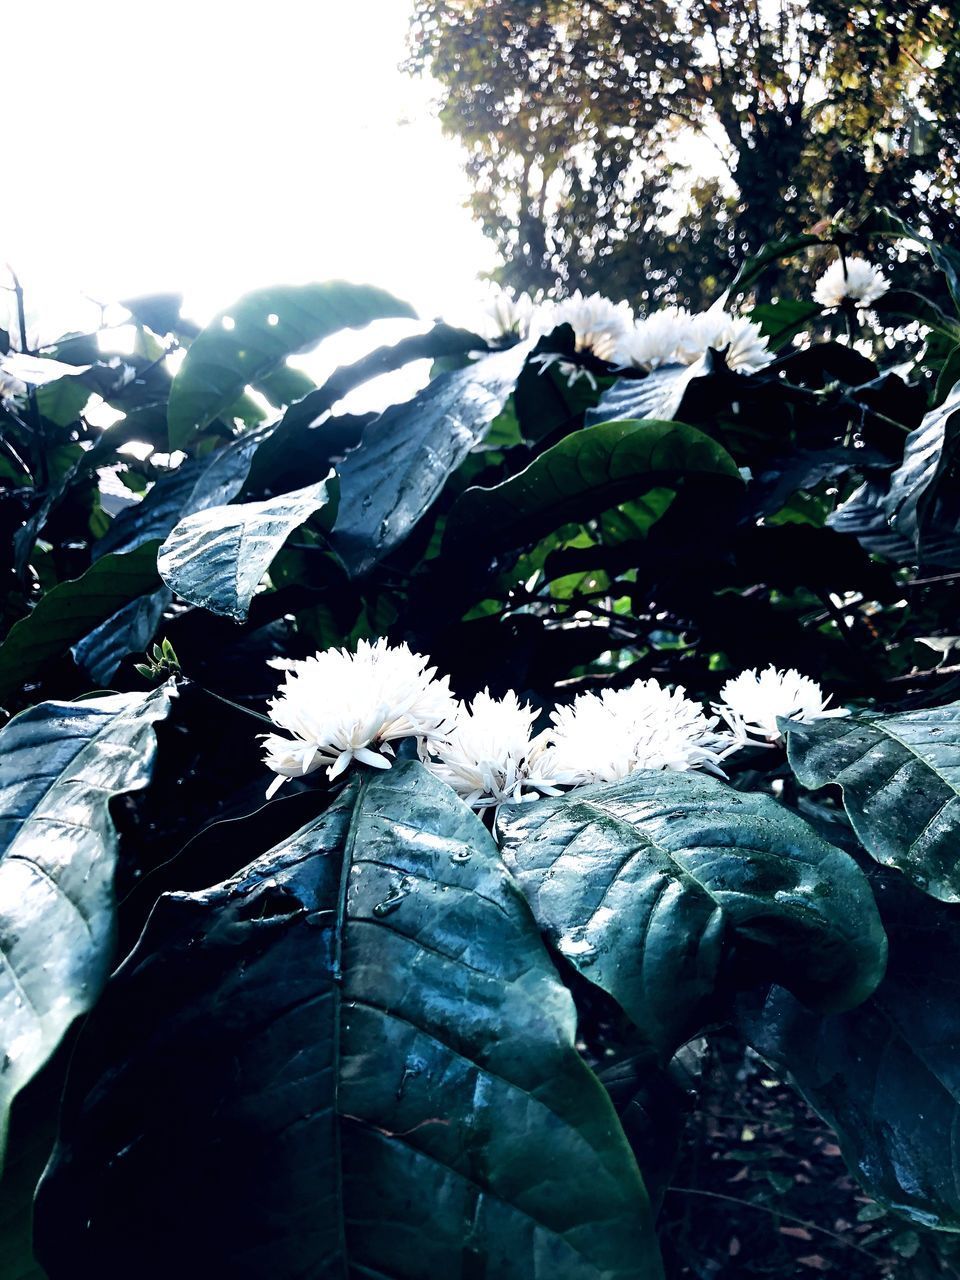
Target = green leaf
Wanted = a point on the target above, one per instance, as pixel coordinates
(783, 318)
(900, 778)
(657, 396)
(159, 311)
(357, 1049)
(301, 434)
(904, 302)
(127, 631)
(663, 886)
(73, 609)
(581, 476)
(409, 452)
(265, 327)
(948, 376)
(885, 1075)
(60, 765)
(884, 222)
(193, 486)
(217, 557)
(787, 246)
(921, 501)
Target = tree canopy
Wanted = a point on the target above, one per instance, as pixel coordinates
(650, 147)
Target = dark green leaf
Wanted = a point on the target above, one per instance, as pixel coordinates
(652, 886)
(886, 1076)
(193, 486)
(900, 777)
(773, 251)
(782, 318)
(354, 1058)
(299, 437)
(60, 764)
(217, 557)
(904, 302)
(948, 377)
(658, 395)
(884, 222)
(73, 609)
(864, 517)
(265, 327)
(582, 475)
(409, 452)
(129, 630)
(158, 311)
(922, 494)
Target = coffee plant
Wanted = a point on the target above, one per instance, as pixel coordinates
(393, 804)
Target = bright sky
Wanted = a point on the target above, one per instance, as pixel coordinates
(214, 146)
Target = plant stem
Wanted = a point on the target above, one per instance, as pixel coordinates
(237, 706)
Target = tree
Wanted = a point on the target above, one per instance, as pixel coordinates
(579, 116)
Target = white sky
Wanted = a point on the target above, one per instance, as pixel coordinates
(221, 145)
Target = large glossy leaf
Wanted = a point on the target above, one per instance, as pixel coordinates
(355, 1058)
(664, 886)
(409, 452)
(60, 764)
(900, 778)
(252, 339)
(71, 610)
(922, 496)
(886, 1076)
(659, 395)
(585, 473)
(216, 558)
(193, 486)
(302, 437)
(864, 517)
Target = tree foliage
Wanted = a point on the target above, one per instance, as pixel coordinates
(645, 149)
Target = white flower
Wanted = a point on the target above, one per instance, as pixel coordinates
(600, 738)
(751, 703)
(854, 278)
(598, 324)
(656, 340)
(744, 342)
(674, 336)
(508, 314)
(341, 706)
(489, 756)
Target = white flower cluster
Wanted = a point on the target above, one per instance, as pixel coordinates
(610, 332)
(852, 278)
(752, 703)
(678, 336)
(339, 707)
